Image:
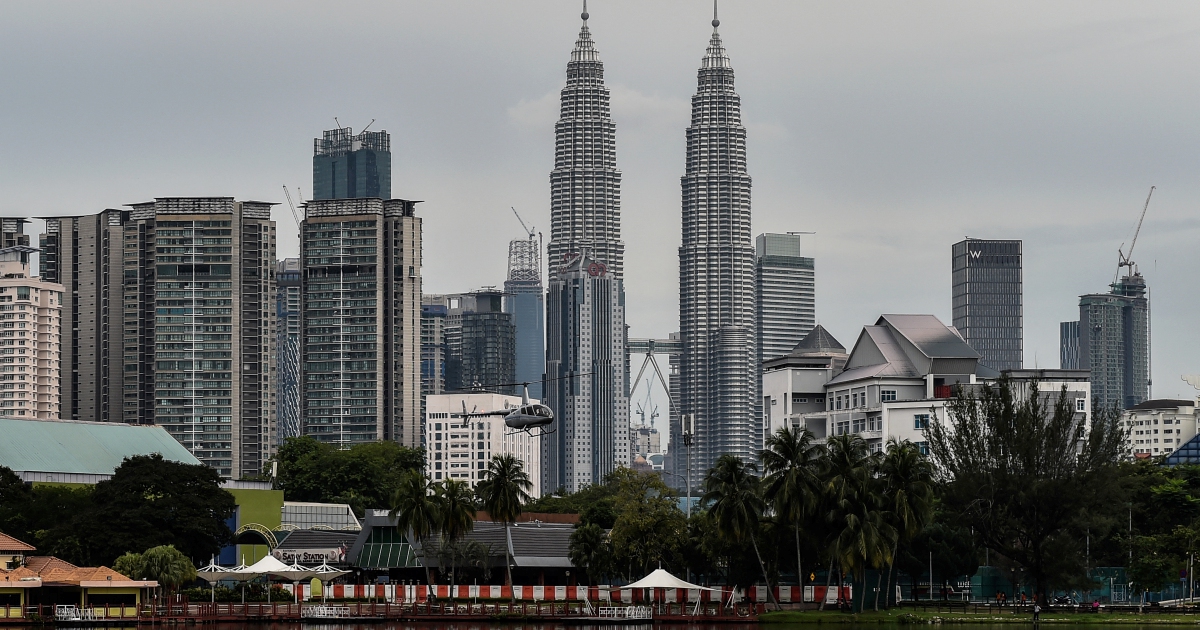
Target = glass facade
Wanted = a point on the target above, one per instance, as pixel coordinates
(988, 306)
(348, 166)
(287, 347)
(785, 293)
(1114, 342)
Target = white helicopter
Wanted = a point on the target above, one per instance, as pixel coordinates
(528, 417)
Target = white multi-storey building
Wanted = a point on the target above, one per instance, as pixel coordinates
(794, 384)
(903, 371)
(460, 448)
(30, 336)
(1159, 427)
(719, 365)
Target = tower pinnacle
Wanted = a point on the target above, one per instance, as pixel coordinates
(715, 21)
(584, 15)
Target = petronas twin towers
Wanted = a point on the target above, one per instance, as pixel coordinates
(585, 353)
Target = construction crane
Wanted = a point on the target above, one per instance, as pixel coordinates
(528, 230)
(1126, 260)
(292, 205)
(642, 407)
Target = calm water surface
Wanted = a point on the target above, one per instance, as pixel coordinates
(559, 626)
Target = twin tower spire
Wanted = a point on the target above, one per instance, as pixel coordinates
(717, 397)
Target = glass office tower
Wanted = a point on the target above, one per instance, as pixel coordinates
(988, 307)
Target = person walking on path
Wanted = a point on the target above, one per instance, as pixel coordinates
(1037, 611)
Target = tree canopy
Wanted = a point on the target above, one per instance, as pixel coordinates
(1029, 477)
(364, 476)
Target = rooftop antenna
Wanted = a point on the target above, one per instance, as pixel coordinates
(715, 21)
(584, 15)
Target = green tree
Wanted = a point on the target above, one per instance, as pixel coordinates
(150, 501)
(854, 503)
(502, 492)
(792, 464)
(908, 497)
(591, 550)
(15, 499)
(167, 566)
(1027, 475)
(364, 475)
(457, 511)
(649, 527)
(733, 495)
(417, 512)
(130, 565)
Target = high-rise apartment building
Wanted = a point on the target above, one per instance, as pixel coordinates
(585, 352)
(585, 314)
(287, 348)
(361, 321)
(719, 372)
(1114, 342)
(481, 348)
(170, 311)
(785, 288)
(30, 329)
(988, 307)
(1068, 345)
(350, 166)
(525, 300)
(433, 349)
(85, 254)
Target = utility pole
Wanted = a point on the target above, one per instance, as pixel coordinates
(687, 443)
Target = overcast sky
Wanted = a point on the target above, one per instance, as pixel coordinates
(891, 129)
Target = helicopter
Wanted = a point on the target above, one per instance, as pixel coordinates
(527, 418)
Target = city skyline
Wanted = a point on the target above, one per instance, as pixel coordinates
(1070, 227)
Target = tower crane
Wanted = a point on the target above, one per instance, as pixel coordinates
(292, 205)
(528, 230)
(1126, 260)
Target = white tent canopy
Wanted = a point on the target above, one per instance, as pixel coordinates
(660, 578)
(270, 565)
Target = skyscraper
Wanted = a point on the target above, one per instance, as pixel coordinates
(719, 368)
(1068, 345)
(361, 321)
(287, 348)
(585, 347)
(170, 308)
(785, 288)
(349, 166)
(585, 350)
(1114, 342)
(988, 300)
(85, 254)
(480, 349)
(524, 299)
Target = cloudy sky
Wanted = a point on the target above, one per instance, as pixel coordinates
(891, 129)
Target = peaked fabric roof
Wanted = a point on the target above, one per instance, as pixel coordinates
(661, 578)
(818, 340)
(95, 448)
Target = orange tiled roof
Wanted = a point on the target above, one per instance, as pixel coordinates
(41, 564)
(18, 573)
(8, 543)
(81, 574)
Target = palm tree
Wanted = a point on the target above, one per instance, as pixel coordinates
(591, 550)
(855, 498)
(417, 512)
(457, 506)
(908, 492)
(792, 464)
(503, 491)
(733, 493)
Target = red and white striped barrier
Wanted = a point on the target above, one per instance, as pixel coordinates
(394, 593)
